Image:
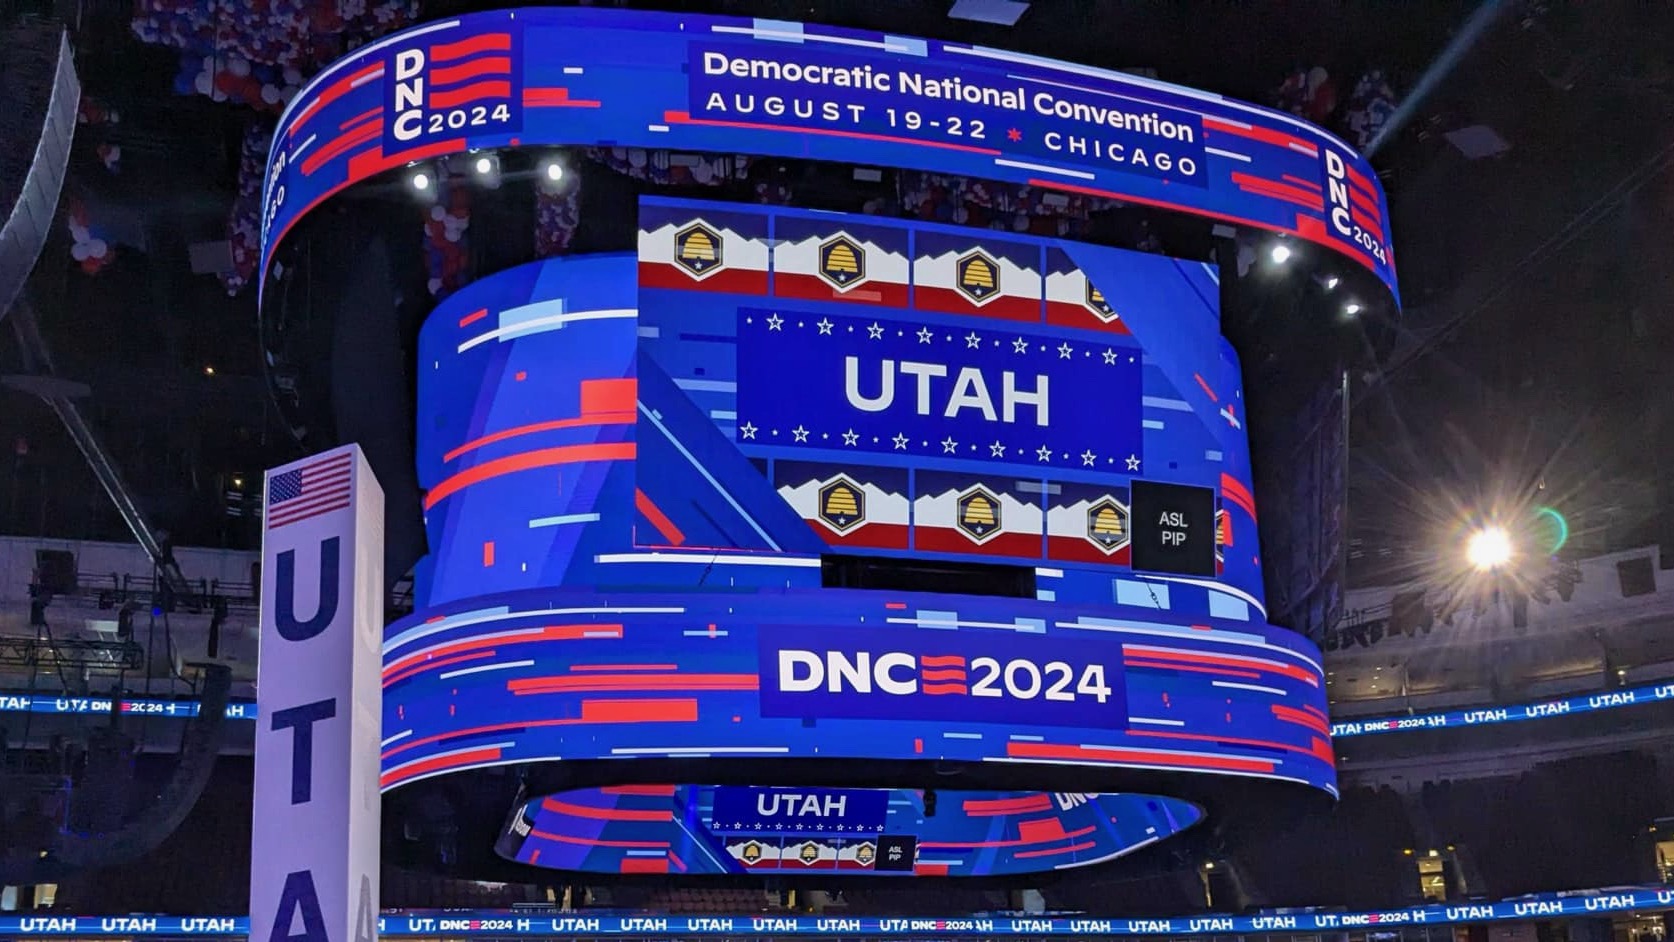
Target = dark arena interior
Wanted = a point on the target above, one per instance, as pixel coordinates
(935, 469)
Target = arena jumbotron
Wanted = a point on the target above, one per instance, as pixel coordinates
(738, 499)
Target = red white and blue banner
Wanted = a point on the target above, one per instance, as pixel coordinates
(540, 77)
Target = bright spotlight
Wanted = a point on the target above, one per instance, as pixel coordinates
(421, 181)
(1488, 548)
(1280, 254)
(553, 171)
(485, 165)
(1332, 282)
(1351, 309)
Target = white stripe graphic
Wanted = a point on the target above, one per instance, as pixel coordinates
(485, 667)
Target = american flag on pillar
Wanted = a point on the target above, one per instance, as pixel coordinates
(310, 490)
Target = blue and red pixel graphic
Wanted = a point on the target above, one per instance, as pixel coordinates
(682, 829)
(552, 674)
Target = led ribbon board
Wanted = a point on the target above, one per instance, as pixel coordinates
(1342, 729)
(488, 924)
(534, 77)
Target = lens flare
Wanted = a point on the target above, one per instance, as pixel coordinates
(1488, 548)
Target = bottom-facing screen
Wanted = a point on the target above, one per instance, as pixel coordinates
(710, 829)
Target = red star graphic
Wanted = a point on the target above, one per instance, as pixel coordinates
(1014, 134)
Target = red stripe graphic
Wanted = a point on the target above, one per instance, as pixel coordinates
(1163, 665)
(414, 670)
(1283, 191)
(605, 814)
(869, 533)
(1004, 806)
(1078, 549)
(592, 711)
(597, 842)
(945, 674)
(645, 791)
(1086, 845)
(1265, 135)
(1235, 491)
(615, 418)
(542, 458)
(548, 633)
(1008, 307)
(671, 534)
(440, 762)
(555, 98)
(621, 682)
(814, 288)
(1293, 715)
(728, 280)
(1366, 203)
(1360, 182)
(488, 65)
(343, 142)
(331, 93)
(363, 116)
(1230, 740)
(1076, 314)
(487, 42)
(1045, 750)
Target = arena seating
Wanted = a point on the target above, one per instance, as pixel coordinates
(701, 900)
(1596, 808)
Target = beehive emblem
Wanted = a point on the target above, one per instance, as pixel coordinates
(1107, 525)
(842, 263)
(699, 249)
(978, 514)
(842, 504)
(978, 276)
(1098, 305)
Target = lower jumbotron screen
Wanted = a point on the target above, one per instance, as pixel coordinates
(708, 830)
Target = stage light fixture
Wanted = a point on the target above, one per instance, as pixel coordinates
(420, 181)
(1280, 254)
(484, 165)
(552, 170)
(1352, 308)
(1332, 282)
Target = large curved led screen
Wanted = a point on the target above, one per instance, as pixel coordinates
(641, 468)
(534, 76)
